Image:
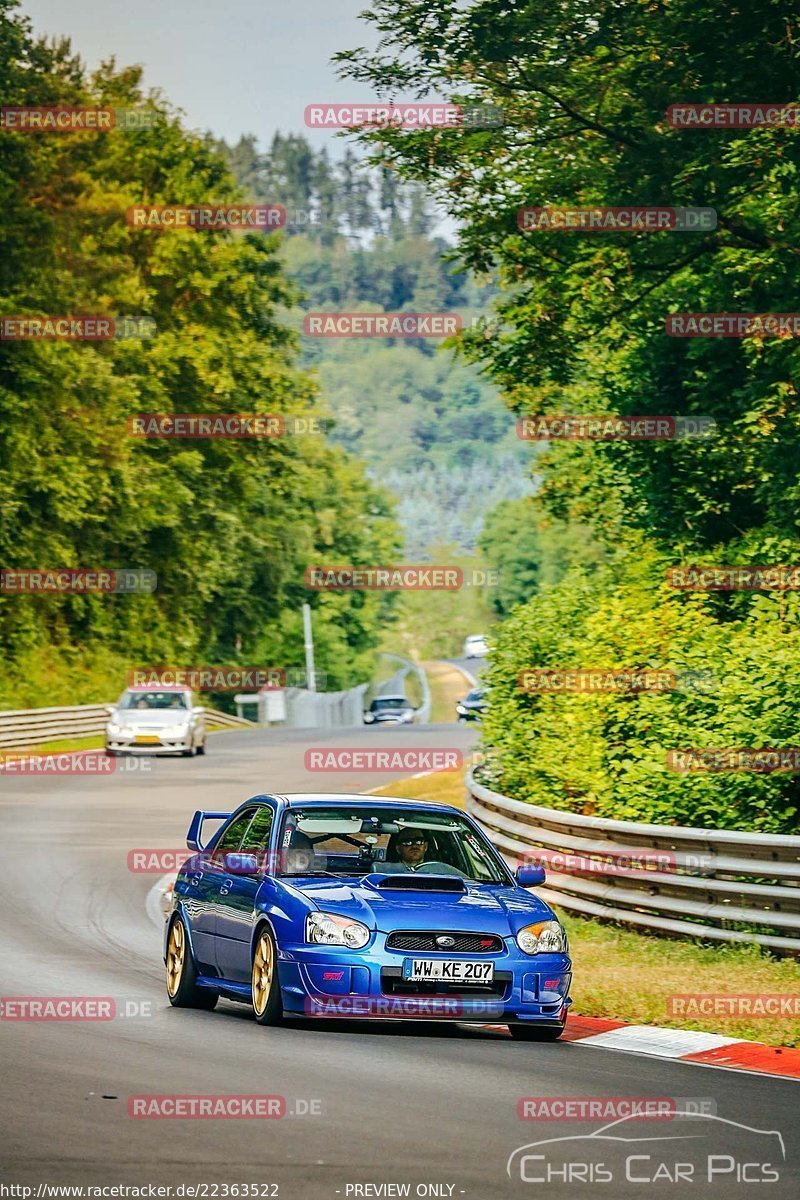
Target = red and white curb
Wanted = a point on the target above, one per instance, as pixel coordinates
(655, 1041)
(683, 1045)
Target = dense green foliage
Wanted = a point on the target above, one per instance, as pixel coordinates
(580, 329)
(429, 426)
(228, 526)
(606, 753)
(530, 551)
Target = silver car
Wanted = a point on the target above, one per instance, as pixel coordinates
(162, 720)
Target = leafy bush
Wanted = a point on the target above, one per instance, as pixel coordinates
(605, 753)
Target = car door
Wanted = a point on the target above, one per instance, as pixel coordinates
(236, 910)
(206, 880)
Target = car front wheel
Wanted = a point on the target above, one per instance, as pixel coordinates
(182, 988)
(265, 989)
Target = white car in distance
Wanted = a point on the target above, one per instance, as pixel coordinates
(476, 646)
(156, 720)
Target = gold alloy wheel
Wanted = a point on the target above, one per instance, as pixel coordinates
(262, 974)
(176, 952)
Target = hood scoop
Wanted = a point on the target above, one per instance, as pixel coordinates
(411, 881)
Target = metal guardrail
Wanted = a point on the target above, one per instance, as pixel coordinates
(20, 728)
(222, 720)
(721, 885)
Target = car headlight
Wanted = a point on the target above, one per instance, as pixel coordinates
(544, 937)
(368, 718)
(113, 728)
(460, 709)
(327, 929)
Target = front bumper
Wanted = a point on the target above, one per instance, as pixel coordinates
(390, 721)
(161, 745)
(326, 981)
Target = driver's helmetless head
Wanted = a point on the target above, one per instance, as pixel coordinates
(412, 846)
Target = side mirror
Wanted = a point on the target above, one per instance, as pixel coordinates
(110, 709)
(198, 711)
(530, 876)
(241, 863)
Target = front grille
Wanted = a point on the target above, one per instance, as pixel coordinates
(464, 943)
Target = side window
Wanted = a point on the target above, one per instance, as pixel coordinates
(256, 839)
(233, 834)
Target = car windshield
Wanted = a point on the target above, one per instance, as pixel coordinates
(343, 840)
(389, 702)
(154, 700)
(475, 694)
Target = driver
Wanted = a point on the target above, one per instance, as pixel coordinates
(411, 846)
(410, 849)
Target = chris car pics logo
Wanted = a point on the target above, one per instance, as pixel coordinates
(699, 1148)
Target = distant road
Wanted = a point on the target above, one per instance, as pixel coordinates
(473, 666)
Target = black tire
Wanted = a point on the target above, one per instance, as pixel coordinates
(182, 989)
(536, 1033)
(201, 749)
(267, 1003)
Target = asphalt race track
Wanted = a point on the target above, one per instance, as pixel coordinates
(400, 1104)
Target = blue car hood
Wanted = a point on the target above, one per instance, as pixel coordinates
(481, 908)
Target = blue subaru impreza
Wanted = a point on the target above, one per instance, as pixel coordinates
(351, 906)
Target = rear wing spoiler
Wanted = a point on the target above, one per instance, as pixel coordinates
(196, 827)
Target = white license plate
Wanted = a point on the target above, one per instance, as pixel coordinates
(419, 969)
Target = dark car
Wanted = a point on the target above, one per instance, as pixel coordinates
(472, 707)
(396, 710)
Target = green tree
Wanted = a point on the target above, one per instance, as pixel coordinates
(228, 526)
